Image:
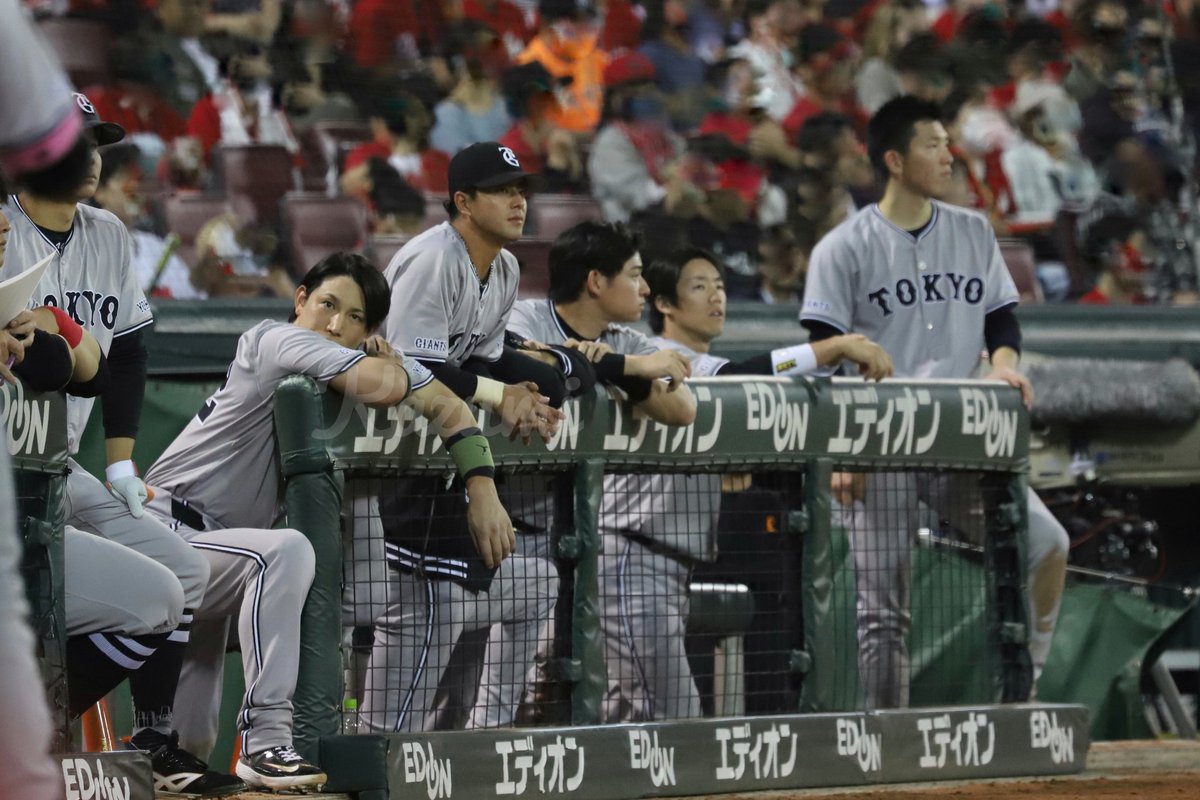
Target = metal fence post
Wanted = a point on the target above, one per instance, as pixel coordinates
(587, 643)
(817, 693)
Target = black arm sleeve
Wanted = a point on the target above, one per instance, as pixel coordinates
(1001, 329)
(754, 365)
(515, 367)
(46, 366)
(580, 373)
(122, 402)
(459, 381)
(819, 331)
(96, 386)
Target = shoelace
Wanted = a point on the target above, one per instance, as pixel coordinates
(288, 754)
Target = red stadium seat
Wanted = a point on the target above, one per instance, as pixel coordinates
(1018, 257)
(551, 214)
(534, 257)
(317, 226)
(83, 46)
(186, 213)
(260, 173)
(381, 248)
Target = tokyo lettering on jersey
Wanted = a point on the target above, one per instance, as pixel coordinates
(90, 277)
(677, 511)
(922, 298)
(225, 463)
(441, 311)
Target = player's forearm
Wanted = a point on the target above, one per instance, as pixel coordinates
(1005, 358)
(670, 407)
(88, 358)
(374, 381)
(118, 449)
(446, 412)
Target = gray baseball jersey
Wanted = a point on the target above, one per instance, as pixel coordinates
(922, 298)
(91, 278)
(679, 511)
(225, 462)
(441, 311)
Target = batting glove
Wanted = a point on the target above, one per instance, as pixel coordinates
(125, 485)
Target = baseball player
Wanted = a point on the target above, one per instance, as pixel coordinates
(926, 281)
(654, 527)
(453, 288)
(223, 471)
(91, 280)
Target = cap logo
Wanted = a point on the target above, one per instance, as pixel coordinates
(84, 104)
(509, 157)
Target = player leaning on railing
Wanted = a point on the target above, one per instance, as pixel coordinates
(218, 485)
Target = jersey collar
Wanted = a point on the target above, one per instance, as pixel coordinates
(58, 247)
(925, 232)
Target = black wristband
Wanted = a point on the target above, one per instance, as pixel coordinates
(610, 367)
(637, 389)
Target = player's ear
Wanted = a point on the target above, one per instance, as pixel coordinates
(662, 305)
(595, 282)
(300, 298)
(894, 162)
(460, 202)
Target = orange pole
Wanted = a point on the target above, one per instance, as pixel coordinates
(98, 736)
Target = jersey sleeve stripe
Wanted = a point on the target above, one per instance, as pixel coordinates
(428, 380)
(1011, 301)
(822, 318)
(133, 328)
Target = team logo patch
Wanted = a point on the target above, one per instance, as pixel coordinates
(143, 306)
(84, 104)
(505, 152)
(432, 345)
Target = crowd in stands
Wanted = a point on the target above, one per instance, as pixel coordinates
(735, 125)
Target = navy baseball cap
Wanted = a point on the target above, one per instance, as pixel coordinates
(486, 165)
(105, 132)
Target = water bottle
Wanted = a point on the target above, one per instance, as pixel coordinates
(350, 720)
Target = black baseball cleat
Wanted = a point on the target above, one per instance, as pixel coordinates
(178, 773)
(280, 768)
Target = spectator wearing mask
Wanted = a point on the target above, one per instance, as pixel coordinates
(771, 27)
(242, 108)
(400, 127)
(678, 71)
(567, 45)
(160, 272)
(475, 110)
(632, 159)
(532, 93)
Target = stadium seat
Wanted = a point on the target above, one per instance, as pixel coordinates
(328, 142)
(1018, 257)
(435, 211)
(260, 173)
(83, 46)
(533, 256)
(381, 248)
(317, 225)
(551, 214)
(186, 213)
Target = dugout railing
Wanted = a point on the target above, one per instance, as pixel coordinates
(804, 444)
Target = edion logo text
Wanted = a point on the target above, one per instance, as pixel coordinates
(865, 748)
(1046, 734)
(420, 766)
(83, 782)
(645, 753)
(24, 422)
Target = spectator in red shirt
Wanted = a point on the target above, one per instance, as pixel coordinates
(539, 144)
(622, 24)
(401, 137)
(385, 33)
(827, 65)
(1113, 249)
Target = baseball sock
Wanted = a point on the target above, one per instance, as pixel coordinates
(97, 662)
(153, 686)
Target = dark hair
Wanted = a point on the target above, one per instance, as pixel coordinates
(452, 208)
(894, 125)
(602, 246)
(116, 158)
(662, 276)
(377, 297)
(820, 131)
(390, 193)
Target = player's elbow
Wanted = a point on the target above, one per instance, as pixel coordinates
(676, 407)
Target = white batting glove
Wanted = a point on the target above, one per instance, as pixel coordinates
(125, 485)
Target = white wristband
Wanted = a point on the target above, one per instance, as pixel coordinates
(120, 469)
(799, 359)
(488, 393)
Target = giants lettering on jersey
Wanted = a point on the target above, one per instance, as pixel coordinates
(934, 287)
(88, 308)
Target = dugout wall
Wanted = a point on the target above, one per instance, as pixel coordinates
(797, 432)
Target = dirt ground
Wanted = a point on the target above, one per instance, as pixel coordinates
(1148, 770)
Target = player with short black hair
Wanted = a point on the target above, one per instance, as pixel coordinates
(927, 282)
(219, 485)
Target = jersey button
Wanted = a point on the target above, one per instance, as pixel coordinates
(920, 265)
(929, 326)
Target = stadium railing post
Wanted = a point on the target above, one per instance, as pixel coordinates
(587, 645)
(819, 661)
